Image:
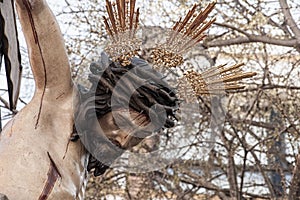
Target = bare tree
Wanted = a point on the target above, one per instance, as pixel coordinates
(245, 158)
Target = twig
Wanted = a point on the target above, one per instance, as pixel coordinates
(295, 183)
(290, 20)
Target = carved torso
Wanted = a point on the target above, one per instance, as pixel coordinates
(40, 163)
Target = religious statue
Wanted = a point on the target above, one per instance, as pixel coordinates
(47, 149)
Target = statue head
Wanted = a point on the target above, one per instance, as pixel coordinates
(124, 105)
(129, 100)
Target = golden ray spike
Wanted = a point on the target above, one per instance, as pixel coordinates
(178, 28)
(176, 25)
(231, 68)
(238, 77)
(226, 77)
(111, 16)
(217, 91)
(184, 35)
(212, 70)
(120, 15)
(199, 36)
(216, 71)
(193, 25)
(189, 44)
(132, 6)
(202, 16)
(188, 17)
(174, 33)
(204, 28)
(217, 79)
(121, 25)
(108, 29)
(123, 8)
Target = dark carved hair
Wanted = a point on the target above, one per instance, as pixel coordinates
(137, 87)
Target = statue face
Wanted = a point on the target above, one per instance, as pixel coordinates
(123, 127)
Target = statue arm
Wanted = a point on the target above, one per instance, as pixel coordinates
(48, 57)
